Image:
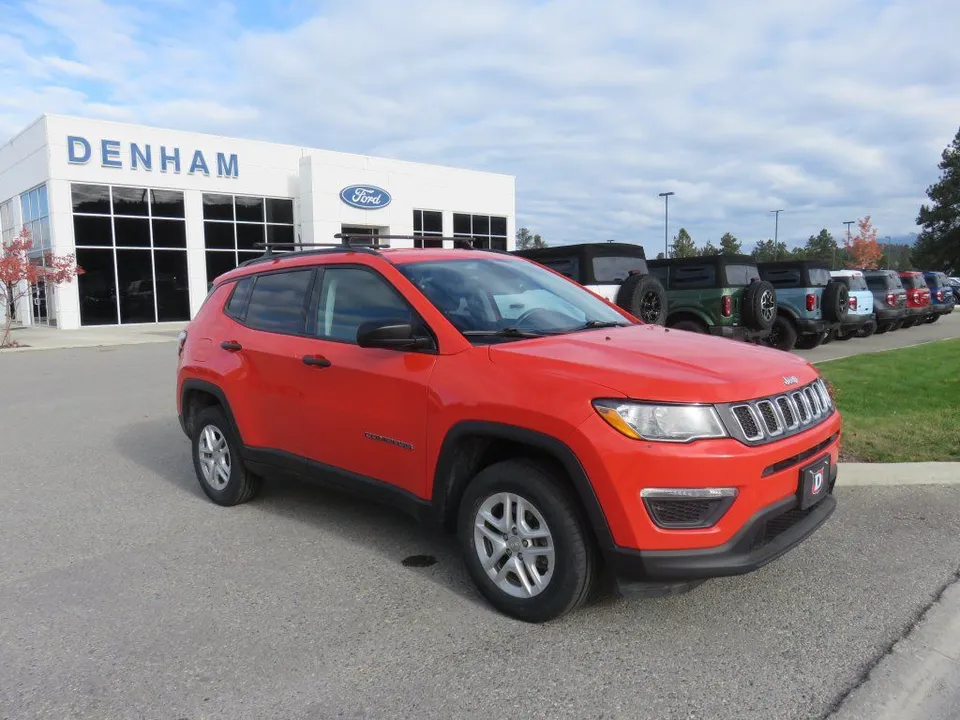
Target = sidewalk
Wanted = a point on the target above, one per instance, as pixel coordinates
(37, 337)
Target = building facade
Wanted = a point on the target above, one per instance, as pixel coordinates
(155, 215)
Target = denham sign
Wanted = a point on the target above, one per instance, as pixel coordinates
(142, 156)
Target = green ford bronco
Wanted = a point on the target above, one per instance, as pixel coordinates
(717, 294)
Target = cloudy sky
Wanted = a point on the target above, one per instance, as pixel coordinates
(828, 109)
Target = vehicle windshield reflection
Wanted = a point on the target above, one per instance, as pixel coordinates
(496, 299)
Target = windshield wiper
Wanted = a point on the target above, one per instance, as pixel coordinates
(503, 332)
(594, 324)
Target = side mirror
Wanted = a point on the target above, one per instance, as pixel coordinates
(391, 336)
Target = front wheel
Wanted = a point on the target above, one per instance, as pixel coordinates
(690, 326)
(525, 542)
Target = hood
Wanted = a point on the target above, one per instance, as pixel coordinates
(649, 362)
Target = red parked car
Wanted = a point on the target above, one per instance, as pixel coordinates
(918, 298)
(552, 431)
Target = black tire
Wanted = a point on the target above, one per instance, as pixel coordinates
(883, 328)
(933, 319)
(575, 555)
(908, 323)
(758, 309)
(867, 329)
(690, 326)
(896, 325)
(783, 335)
(810, 341)
(829, 337)
(835, 302)
(643, 297)
(241, 485)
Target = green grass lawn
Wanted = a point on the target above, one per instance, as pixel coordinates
(901, 405)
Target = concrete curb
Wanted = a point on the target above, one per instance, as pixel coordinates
(881, 350)
(920, 677)
(917, 473)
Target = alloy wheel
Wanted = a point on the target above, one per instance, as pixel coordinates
(650, 308)
(214, 457)
(768, 306)
(514, 545)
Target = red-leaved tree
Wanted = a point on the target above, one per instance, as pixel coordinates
(18, 274)
(863, 249)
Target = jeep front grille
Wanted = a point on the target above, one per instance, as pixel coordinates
(766, 419)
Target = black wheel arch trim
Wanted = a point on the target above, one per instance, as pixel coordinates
(446, 488)
(195, 385)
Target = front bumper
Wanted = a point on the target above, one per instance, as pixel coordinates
(769, 534)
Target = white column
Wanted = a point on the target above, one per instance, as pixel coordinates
(66, 298)
(196, 260)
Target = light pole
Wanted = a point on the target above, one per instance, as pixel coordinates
(848, 223)
(776, 231)
(666, 217)
(887, 250)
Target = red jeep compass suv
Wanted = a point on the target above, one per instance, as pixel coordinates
(553, 432)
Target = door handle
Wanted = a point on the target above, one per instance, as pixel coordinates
(231, 345)
(317, 360)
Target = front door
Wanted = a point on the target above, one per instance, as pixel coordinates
(364, 410)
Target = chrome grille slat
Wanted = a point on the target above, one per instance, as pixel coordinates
(766, 419)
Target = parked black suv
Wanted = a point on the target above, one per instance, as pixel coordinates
(717, 294)
(615, 271)
(889, 298)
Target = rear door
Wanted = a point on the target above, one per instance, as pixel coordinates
(363, 410)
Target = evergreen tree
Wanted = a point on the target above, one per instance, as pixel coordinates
(822, 246)
(938, 245)
(709, 249)
(730, 245)
(683, 245)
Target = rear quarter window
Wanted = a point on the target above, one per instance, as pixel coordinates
(616, 269)
(819, 277)
(237, 305)
(565, 266)
(738, 275)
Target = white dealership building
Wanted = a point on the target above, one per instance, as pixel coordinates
(154, 215)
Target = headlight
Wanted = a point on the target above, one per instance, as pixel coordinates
(665, 423)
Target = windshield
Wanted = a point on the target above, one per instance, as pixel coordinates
(615, 269)
(738, 275)
(498, 298)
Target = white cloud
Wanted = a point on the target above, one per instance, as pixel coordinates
(830, 109)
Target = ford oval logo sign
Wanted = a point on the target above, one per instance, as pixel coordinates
(365, 197)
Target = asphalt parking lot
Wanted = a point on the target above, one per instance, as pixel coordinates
(125, 593)
(946, 327)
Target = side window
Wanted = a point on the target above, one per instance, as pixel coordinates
(694, 277)
(278, 302)
(350, 297)
(237, 305)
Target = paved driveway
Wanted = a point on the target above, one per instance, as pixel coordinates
(944, 328)
(124, 593)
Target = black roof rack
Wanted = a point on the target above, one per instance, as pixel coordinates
(355, 242)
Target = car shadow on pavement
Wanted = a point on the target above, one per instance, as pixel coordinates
(159, 446)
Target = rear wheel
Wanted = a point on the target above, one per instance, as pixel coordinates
(883, 328)
(525, 542)
(759, 305)
(909, 323)
(829, 337)
(933, 319)
(868, 329)
(217, 461)
(690, 326)
(809, 342)
(782, 336)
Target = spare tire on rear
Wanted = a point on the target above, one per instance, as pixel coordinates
(643, 297)
(835, 302)
(758, 309)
